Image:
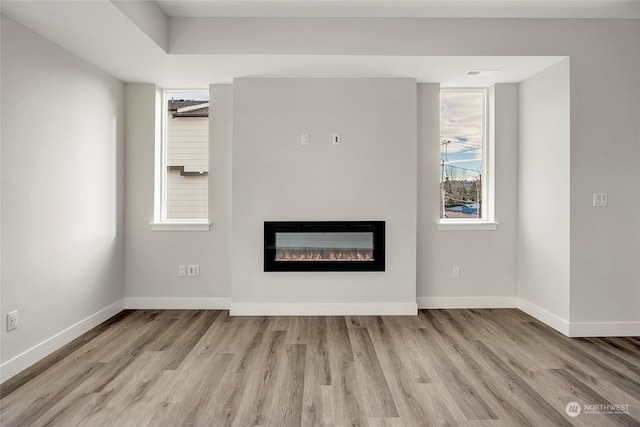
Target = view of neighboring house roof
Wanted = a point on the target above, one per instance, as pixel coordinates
(179, 104)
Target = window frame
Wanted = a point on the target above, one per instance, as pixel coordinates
(161, 222)
(487, 221)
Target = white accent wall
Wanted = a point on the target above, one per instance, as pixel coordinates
(62, 196)
(370, 176)
(544, 197)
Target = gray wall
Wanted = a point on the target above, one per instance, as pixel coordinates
(62, 190)
(487, 275)
(544, 193)
(605, 158)
(604, 153)
(153, 257)
(62, 175)
(487, 257)
(372, 175)
(605, 147)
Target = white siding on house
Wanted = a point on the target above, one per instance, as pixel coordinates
(186, 196)
(188, 143)
(188, 147)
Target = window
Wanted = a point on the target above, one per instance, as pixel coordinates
(182, 187)
(463, 156)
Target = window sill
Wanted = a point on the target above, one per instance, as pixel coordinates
(467, 225)
(180, 226)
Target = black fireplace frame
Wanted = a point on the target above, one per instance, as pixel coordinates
(272, 227)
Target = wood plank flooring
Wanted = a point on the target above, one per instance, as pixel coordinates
(443, 367)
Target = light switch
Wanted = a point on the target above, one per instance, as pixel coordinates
(193, 270)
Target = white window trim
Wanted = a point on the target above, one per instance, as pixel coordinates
(160, 221)
(478, 225)
(180, 226)
(488, 170)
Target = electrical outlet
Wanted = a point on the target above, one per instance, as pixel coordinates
(600, 200)
(455, 273)
(182, 270)
(12, 320)
(305, 139)
(193, 270)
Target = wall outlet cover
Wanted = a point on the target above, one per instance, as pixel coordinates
(600, 199)
(12, 320)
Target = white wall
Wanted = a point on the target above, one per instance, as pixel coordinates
(371, 176)
(544, 193)
(487, 258)
(153, 257)
(149, 17)
(62, 196)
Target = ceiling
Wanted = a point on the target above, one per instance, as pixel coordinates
(102, 34)
(403, 8)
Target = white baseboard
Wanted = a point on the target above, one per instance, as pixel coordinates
(324, 309)
(38, 352)
(177, 303)
(604, 329)
(467, 302)
(546, 317)
(580, 329)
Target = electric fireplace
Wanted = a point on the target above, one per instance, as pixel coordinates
(324, 246)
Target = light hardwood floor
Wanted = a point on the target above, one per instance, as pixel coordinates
(443, 367)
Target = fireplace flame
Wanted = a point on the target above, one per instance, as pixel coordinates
(324, 255)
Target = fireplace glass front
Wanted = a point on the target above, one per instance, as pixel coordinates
(324, 246)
